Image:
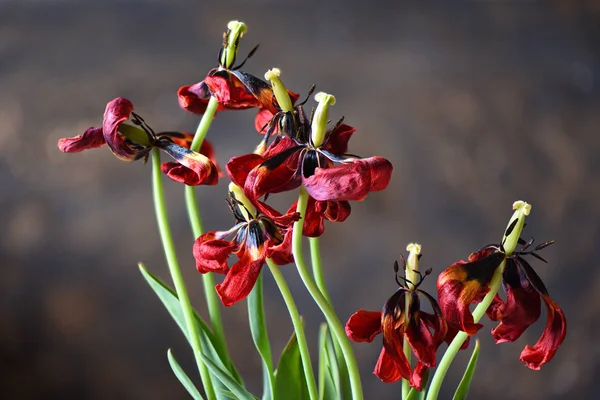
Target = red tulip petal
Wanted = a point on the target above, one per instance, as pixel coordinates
(464, 283)
(211, 254)
(338, 140)
(194, 98)
(242, 276)
(118, 111)
(349, 181)
(363, 326)
(193, 168)
(389, 369)
(90, 139)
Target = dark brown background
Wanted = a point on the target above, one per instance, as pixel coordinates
(476, 105)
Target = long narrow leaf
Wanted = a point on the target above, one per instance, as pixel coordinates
(169, 299)
(290, 383)
(258, 329)
(465, 383)
(186, 382)
(238, 390)
(329, 383)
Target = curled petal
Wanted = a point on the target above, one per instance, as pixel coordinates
(191, 168)
(242, 276)
(424, 342)
(556, 325)
(338, 140)
(211, 254)
(465, 283)
(349, 181)
(194, 98)
(363, 326)
(118, 111)
(230, 92)
(318, 211)
(417, 376)
(261, 122)
(552, 337)
(521, 309)
(90, 139)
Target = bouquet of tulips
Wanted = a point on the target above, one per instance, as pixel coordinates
(304, 152)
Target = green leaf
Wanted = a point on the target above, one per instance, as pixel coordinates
(463, 387)
(182, 376)
(236, 389)
(169, 299)
(329, 374)
(290, 383)
(414, 394)
(258, 329)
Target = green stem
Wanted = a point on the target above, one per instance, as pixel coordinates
(406, 348)
(317, 267)
(336, 326)
(298, 328)
(169, 247)
(208, 281)
(459, 339)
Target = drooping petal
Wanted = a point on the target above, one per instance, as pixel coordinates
(319, 211)
(274, 175)
(417, 376)
(464, 283)
(194, 98)
(192, 168)
(521, 309)
(262, 119)
(338, 140)
(262, 91)
(242, 276)
(349, 181)
(211, 254)
(363, 326)
(424, 342)
(230, 92)
(556, 325)
(90, 139)
(118, 111)
(391, 369)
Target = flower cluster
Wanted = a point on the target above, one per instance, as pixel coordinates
(296, 151)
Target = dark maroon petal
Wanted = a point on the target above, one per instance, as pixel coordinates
(363, 326)
(556, 324)
(338, 140)
(349, 181)
(194, 98)
(465, 283)
(418, 335)
(242, 276)
(118, 111)
(91, 139)
(211, 254)
(334, 211)
(521, 309)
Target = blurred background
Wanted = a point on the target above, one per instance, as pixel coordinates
(476, 104)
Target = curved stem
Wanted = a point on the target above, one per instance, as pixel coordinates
(169, 247)
(298, 328)
(336, 326)
(208, 281)
(459, 339)
(317, 267)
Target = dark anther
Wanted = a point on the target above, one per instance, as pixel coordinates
(419, 257)
(247, 57)
(428, 271)
(139, 121)
(234, 205)
(511, 227)
(521, 241)
(544, 245)
(310, 91)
